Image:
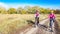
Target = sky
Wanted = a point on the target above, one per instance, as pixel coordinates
(53, 4)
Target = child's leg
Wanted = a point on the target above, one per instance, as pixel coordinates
(37, 20)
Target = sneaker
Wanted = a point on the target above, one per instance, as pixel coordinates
(51, 30)
(34, 26)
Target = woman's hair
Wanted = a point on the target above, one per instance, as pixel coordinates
(51, 11)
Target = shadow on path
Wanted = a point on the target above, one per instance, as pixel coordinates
(44, 27)
(30, 22)
(40, 26)
(57, 30)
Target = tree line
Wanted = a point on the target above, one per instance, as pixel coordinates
(27, 10)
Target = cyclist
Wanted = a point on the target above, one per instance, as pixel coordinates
(51, 18)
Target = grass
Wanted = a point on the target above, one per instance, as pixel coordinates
(58, 18)
(11, 22)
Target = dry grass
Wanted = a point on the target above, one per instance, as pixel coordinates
(58, 19)
(11, 22)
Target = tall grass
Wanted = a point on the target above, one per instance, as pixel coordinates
(58, 19)
(11, 22)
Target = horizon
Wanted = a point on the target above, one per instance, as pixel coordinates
(22, 3)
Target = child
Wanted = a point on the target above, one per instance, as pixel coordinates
(51, 18)
(37, 18)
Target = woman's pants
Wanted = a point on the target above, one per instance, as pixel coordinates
(51, 22)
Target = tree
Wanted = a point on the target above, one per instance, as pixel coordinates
(23, 11)
(57, 11)
(28, 9)
(35, 8)
(19, 10)
(2, 10)
(12, 11)
(42, 10)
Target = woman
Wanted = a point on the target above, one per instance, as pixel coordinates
(51, 18)
(37, 17)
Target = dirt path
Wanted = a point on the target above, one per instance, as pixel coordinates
(57, 30)
(42, 29)
(33, 29)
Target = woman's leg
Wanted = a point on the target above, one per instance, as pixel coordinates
(53, 20)
(51, 23)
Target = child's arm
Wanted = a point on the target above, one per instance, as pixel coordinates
(49, 16)
(35, 15)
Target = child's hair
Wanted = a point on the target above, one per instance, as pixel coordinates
(36, 11)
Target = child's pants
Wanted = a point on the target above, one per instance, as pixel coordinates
(36, 20)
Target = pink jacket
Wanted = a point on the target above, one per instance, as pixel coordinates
(51, 16)
(37, 14)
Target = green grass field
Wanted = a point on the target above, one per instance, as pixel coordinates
(11, 22)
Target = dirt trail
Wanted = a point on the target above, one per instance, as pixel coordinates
(34, 29)
(42, 29)
(57, 30)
